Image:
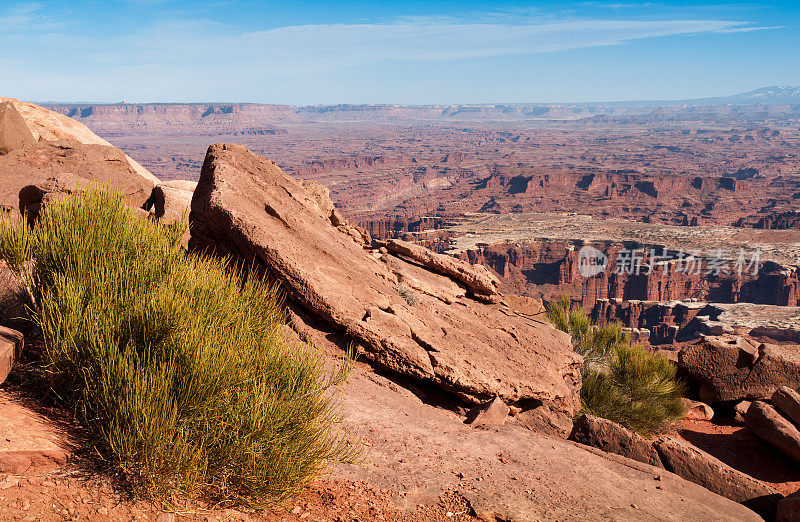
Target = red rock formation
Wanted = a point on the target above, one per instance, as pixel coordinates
(402, 313)
(550, 268)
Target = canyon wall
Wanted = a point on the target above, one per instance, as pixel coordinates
(549, 269)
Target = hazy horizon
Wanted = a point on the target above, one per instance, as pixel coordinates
(390, 104)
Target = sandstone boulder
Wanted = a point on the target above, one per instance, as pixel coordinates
(764, 421)
(14, 133)
(696, 410)
(47, 125)
(476, 278)
(613, 438)
(244, 205)
(731, 368)
(169, 200)
(60, 153)
(493, 413)
(740, 411)
(51, 167)
(11, 344)
(787, 401)
(695, 465)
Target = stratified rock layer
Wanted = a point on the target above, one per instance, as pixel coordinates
(246, 206)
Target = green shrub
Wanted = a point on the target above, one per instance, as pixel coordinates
(623, 382)
(638, 390)
(594, 343)
(179, 364)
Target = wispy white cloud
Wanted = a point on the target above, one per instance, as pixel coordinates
(752, 28)
(200, 54)
(314, 48)
(30, 16)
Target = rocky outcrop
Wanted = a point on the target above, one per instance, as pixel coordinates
(507, 472)
(731, 368)
(614, 438)
(11, 344)
(787, 401)
(14, 133)
(767, 423)
(245, 206)
(65, 156)
(47, 125)
(64, 166)
(695, 465)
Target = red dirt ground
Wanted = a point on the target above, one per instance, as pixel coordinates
(70, 496)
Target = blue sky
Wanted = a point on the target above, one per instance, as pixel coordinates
(307, 52)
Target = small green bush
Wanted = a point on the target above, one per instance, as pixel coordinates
(638, 390)
(594, 343)
(179, 364)
(623, 382)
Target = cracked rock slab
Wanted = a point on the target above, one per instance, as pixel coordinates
(246, 206)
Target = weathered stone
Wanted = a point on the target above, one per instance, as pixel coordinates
(169, 200)
(695, 465)
(730, 368)
(613, 438)
(476, 278)
(789, 508)
(696, 410)
(764, 421)
(66, 165)
(61, 150)
(787, 401)
(740, 411)
(49, 126)
(493, 413)
(542, 419)
(507, 472)
(14, 133)
(11, 344)
(244, 205)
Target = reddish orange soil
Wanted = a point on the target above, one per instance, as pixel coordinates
(741, 450)
(70, 496)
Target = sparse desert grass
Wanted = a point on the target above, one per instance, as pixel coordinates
(178, 364)
(407, 294)
(623, 382)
